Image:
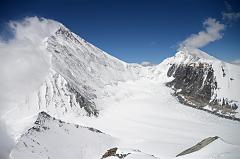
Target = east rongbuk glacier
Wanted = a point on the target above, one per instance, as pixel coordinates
(94, 106)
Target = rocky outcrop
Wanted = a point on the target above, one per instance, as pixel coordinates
(126, 153)
(113, 152)
(83, 102)
(194, 85)
(195, 82)
(198, 146)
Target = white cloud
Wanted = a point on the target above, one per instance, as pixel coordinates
(23, 63)
(212, 32)
(33, 29)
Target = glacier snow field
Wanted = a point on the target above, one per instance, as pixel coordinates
(144, 115)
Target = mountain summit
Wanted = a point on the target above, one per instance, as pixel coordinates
(194, 55)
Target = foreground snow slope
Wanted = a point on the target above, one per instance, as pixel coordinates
(52, 138)
(55, 139)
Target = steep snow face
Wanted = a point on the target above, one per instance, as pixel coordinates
(85, 66)
(56, 96)
(228, 78)
(52, 138)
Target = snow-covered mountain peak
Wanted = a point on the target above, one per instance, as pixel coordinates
(65, 34)
(187, 55)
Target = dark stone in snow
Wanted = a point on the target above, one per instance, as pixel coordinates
(198, 146)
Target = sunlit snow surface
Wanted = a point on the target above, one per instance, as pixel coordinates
(145, 116)
(59, 140)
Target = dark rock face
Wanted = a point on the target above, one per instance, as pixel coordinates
(194, 85)
(110, 152)
(83, 102)
(113, 152)
(40, 122)
(42, 117)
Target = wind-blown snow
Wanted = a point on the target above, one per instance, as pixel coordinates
(24, 64)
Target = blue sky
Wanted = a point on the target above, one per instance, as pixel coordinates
(134, 30)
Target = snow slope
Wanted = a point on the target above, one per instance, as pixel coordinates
(144, 115)
(136, 116)
(52, 138)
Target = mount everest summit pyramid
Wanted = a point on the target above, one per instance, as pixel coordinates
(144, 108)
